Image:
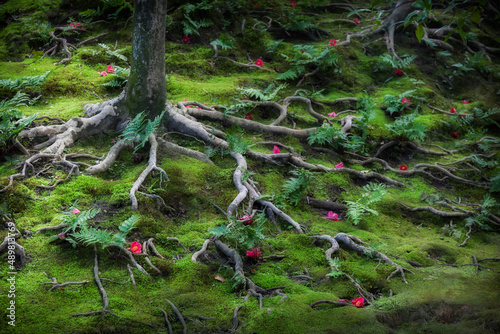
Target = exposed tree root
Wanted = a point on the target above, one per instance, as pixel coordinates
(179, 316)
(435, 211)
(169, 325)
(330, 302)
(235, 318)
(467, 237)
(327, 205)
(56, 284)
(51, 228)
(131, 273)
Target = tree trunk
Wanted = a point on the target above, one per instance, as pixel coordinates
(146, 87)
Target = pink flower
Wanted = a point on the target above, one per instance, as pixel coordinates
(198, 107)
(293, 3)
(254, 253)
(248, 116)
(373, 18)
(75, 25)
(465, 102)
(61, 236)
(259, 62)
(455, 134)
(276, 150)
(75, 211)
(453, 110)
(185, 100)
(135, 247)
(247, 220)
(343, 301)
(405, 100)
(358, 302)
(403, 167)
(110, 69)
(103, 73)
(339, 165)
(332, 42)
(356, 20)
(333, 216)
(399, 72)
(332, 114)
(186, 40)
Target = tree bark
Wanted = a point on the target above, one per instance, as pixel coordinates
(146, 87)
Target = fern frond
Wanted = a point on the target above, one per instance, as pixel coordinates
(89, 236)
(134, 127)
(79, 220)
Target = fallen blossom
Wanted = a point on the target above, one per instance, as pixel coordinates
(135, 247)
(247, 220)
(343, 301)
(403, 167)
(333, 216)
(198, 107)
(75, 211)
(339, 165)
(276, 150)
(248, 116)
(332, 42)
(259, 62)
(254, 253)
(399, 72)
(405, 100)
(455, 134)
(358, 302)
(453, 110)
(186, 40)
(332, 114)
(356, 20)
(185, 100)
(465, 102)
(103, 73)
(302, 51)
(373, 18)
(75, 25)
(110, 69)
(61, 236)
(293, 4)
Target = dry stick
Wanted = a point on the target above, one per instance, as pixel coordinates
(60, 285)
(20, 147)
(235, 318)
(131, 272)
(475, 263)
(169, 325)
(179, 316)
(91, 39)
(151, 166)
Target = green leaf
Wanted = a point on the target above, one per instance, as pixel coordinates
(419, 32)
(476, 16)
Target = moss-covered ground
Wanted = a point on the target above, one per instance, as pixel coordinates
(445, 295)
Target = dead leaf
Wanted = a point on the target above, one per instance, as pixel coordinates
(219, 278)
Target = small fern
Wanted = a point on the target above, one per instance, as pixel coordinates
(139, 130)
(373, 193)
(294, 188)
(223, 43)
(27, 82)
(326, 134)
(409, 127)
(267, 95)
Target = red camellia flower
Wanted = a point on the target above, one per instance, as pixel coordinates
(247, 220)
(405, 100)
(339, 165)
(75, 25)
(455, 134)
(75, 211)
(254, 253)
(333, 216)
(259, 62)
(332, 42)
(403, 167)
(135, 247)
(186, 40)
(356, 20)
(293, 3)
(465, 102)
(343, 301)
(103, 74)
(453, 110)
(373, 18)
(276, 150)
(358, 302)
(248, 116)
(110, 69)
(399, 72)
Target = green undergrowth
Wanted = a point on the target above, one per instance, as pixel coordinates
(443, 295)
